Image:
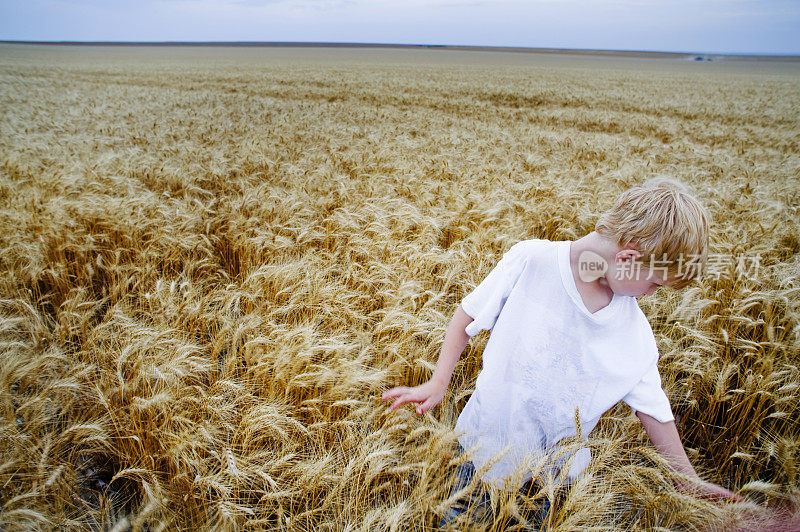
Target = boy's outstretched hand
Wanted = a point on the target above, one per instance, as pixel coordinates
(708, 490)
(429, 395)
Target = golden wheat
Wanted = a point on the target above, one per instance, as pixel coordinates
(214, 261)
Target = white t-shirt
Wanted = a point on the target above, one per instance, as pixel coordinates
(547, 356)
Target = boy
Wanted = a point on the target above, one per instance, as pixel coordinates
(569, 340)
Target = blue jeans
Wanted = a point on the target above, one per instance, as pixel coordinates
(478, 504)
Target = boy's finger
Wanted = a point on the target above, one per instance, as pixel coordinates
(392, 392)
(424, 407)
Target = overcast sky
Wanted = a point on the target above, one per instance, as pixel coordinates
(723, 26)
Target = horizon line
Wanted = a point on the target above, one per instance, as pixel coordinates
(465, 47)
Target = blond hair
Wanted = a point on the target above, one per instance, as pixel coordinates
(663, 221)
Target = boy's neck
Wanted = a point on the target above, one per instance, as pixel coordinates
(591, 282)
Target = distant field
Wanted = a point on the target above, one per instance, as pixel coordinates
(216, 259)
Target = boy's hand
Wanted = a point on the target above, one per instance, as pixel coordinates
(429, 394)
(708, 490)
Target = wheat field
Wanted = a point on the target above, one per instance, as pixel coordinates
(215, 260)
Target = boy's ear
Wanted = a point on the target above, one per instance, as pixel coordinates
(627, 253)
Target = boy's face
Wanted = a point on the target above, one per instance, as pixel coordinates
(645, 284)
(629, 276)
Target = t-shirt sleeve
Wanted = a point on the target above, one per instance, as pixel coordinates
(486, 301)
(648, 396)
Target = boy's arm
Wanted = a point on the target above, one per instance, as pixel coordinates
(667, 442)
(455, 340)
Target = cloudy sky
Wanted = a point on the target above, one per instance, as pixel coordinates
(723, 26)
